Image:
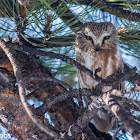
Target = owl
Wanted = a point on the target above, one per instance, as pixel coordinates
(97, 45)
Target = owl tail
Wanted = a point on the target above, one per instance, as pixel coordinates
(105, 122)
(104, 119)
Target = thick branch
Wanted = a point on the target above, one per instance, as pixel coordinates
(111, 80)
(112, 9)
(82, 121)
(122, 113)
(62, 97)
(18, 75)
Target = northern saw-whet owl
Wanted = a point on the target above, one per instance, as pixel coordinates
(97, 45)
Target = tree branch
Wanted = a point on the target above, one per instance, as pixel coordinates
(70, 40)
(67, 16)
(62, 97)
(61, 41)
(122, 113)
(110, 80)
(114, 79)
(112, 9)
(18, 75)
(129, 35)
(77, 127)
(132, 89)
(117, 131)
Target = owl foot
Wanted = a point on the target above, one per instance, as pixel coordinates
(92, 88)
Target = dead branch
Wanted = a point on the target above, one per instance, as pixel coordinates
(21, 88)
(112, 9)
(77, 127)
(113, 79)
(81, 121)
(62, 97)
(122, 113)
(135, 79)
(43, 78)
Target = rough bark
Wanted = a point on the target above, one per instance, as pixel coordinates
(69, 120)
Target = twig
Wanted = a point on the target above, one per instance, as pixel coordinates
(129, 101)
(117, 131)
(136, 103)
(135, 79)
(62, 97)
(132, 89)
(82, 121)
(18, 75)
(135, 118)
(129, 35)
(40, 78)
(61, 41)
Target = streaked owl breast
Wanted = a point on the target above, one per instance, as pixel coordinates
(109, 61)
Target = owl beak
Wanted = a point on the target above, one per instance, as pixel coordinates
(97, 47)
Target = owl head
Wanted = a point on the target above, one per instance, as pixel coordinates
(95, 37)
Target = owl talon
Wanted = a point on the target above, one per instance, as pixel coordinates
(92, 88)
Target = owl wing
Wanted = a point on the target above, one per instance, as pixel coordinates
(105, 120)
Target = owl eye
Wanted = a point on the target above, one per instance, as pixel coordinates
(88, 38)
(107, 37)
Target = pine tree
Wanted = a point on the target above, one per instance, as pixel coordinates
(39, 96)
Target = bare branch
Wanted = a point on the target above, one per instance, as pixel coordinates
(21, 89)
(122, 114)
(132, 89)
(135, 79)
(39, 78)
(117, 131)
(77, 127)
(112, 9)
(113, 79)
(62, 97)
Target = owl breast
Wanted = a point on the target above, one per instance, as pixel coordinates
(108, 60)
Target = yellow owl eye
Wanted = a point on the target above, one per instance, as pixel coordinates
(88, 38)
(107, 37)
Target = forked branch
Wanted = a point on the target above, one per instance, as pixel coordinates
(21, 88)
